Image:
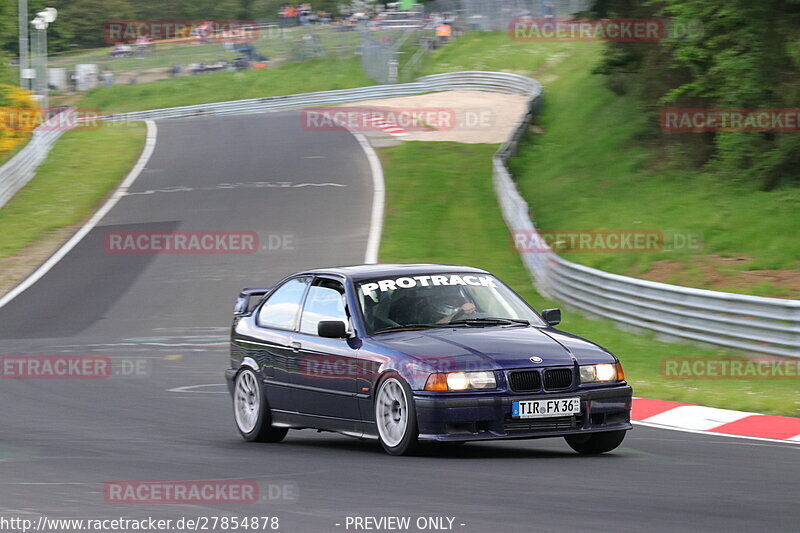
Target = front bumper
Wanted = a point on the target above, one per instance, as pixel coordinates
(447, 417)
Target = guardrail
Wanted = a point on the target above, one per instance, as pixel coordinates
(21, 168)
(748, 323)
(471, 80)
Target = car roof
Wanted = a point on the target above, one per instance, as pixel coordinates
(360, 272)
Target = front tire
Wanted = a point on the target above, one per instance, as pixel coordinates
(396, 417)
(595, 443)
(251, 411)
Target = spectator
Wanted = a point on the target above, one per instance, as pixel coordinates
(291, 16)
(443, 33)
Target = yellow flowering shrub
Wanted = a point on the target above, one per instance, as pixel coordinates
(19, 116)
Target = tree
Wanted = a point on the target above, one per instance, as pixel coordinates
(212, 9)
(85, 19)
(8, 14)
(746, 56)
(266, 9)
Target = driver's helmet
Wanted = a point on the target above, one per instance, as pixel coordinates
(448, 300)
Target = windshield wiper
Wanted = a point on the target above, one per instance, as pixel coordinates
(477, 321)
(409, 326)
(490, 320)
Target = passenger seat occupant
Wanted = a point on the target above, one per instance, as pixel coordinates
(408, 306)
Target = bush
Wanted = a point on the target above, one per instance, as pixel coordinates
(17, 112)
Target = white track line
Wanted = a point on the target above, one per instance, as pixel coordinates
(378, 199)
(149, 147)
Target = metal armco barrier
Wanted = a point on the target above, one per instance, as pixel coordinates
(479, 81)
(749, 323)
(21, 168)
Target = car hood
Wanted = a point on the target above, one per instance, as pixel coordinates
(493, 348)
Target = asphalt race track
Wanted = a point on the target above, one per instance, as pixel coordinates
(308, 196)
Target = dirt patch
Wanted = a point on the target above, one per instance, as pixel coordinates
(19, 266)
(142, 75)
(725, 274)
(469, 116)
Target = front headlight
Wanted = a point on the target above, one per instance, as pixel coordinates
(601, 373)
(460, 381)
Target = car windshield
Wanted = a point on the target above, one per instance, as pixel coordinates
(441, 300)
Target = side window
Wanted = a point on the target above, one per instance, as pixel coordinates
(282, 307)
(325, 301)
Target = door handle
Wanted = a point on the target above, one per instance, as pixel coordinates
(295, 346)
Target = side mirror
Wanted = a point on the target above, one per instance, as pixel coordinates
(552, 316)
(332, 329)
(247, 300)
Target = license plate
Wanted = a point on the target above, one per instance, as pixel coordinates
(546, 408)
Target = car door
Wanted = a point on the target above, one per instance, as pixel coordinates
(275, 322)
(326, 381)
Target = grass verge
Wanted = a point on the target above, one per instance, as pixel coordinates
(591, 169)
(77, 175)
(287, 78)
(441, 208)
(495, 52)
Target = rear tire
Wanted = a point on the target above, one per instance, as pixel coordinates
(595, 443)
(396, 417)
(251, 410)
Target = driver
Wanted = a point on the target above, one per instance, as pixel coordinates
(453, 305)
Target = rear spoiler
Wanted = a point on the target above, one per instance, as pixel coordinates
(248, 299)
